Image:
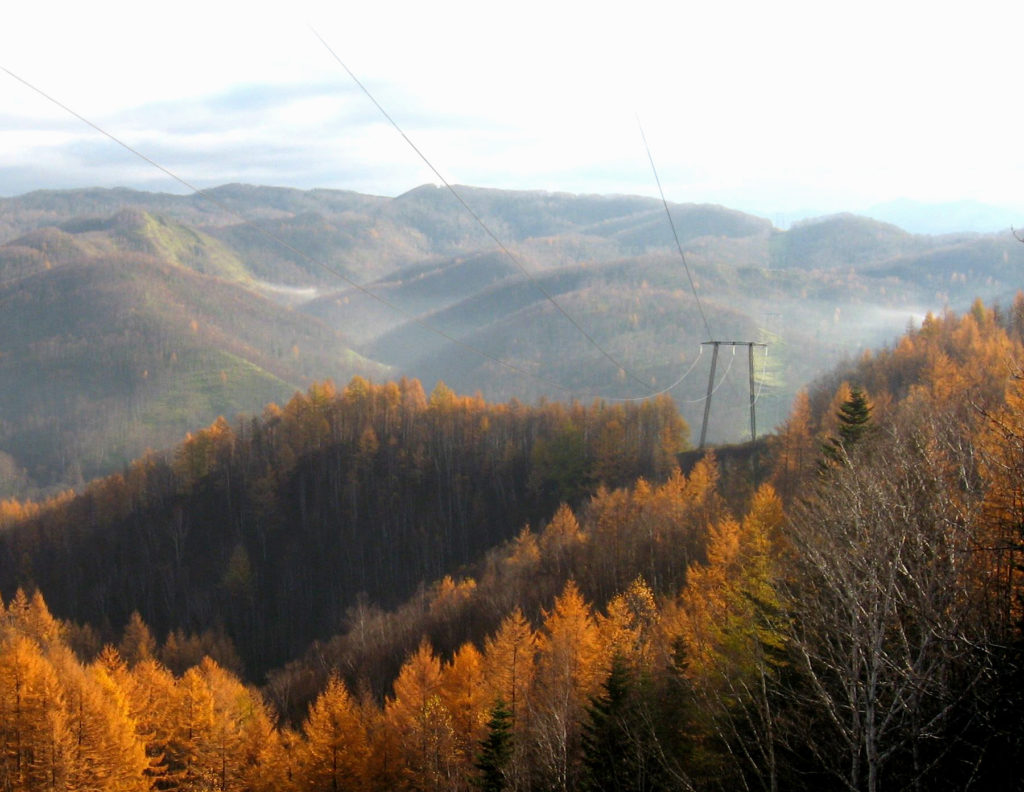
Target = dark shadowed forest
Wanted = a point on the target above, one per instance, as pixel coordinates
(369, 588)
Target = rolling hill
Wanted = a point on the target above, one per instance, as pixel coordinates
(130, 318)
(123, 335)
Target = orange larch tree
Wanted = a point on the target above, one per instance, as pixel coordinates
(571, 664)
(422, 723)
(335, 750)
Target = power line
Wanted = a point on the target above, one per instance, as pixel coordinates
(764, 375)
(413, 318)
(711, 379)
(288, 246)
(664, 390)
(721, 382)
(712, 388)
(675, 235)
(479, 220)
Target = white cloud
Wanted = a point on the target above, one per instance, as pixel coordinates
(766, 107)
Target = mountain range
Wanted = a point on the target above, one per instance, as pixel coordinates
(128, 319)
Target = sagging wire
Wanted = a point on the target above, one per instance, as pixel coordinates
(683, 376)
(675, 235)
(479, 220)
(721, 382)
(288, 246)
(382, 300)
(764, 373)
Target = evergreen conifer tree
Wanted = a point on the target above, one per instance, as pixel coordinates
(495, 749)
(616, 741)
(854, 418)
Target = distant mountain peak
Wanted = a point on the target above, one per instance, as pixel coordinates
(948, 217)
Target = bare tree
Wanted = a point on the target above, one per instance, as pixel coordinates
(884, 633)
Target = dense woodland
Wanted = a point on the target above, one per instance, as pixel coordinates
(270, 530)
(846, 615)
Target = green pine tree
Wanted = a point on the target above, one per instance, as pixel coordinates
(854, 422)
(495, 750)
(616, 741)
(854, 416)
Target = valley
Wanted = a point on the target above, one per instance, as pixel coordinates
(218, 304)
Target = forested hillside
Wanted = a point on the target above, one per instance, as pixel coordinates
(847, 617)
(124, 334)
(129, 318)
(270, 529)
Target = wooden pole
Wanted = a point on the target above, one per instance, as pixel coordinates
(753, 417)
(711, 388)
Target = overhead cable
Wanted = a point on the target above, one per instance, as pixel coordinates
(675, 235)
(721, 382)
(411, 317)
(287, 245)
(479, 220)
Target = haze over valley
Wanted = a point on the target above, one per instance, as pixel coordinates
(132, 318)
(355, 366)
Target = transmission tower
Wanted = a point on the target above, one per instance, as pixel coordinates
(711, 384)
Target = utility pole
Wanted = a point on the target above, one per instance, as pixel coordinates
(711, 384)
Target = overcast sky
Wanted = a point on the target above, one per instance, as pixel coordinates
(777, 108)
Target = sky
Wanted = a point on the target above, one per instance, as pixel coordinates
(783, 109)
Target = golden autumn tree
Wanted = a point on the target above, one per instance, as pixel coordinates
(508, 672)
(244, 745)
(137, 642)
(520, 568)
(449, 601)
(1001, 442)
(733, 632)
(560, 542)
(616, 534)
(334, 754)
(464, 694)
(628, 626)
(384, 764)
(263, 748)
(107, 753)
(508, 662)
(201, 453)
(571, 664)
(29, 616)
(13, 511)
(192, 750)
(35, 741)
(676, 516)
(306, 418)
(153, 703)
(183, 728)
(422, 723)
(797, 454)
(614, 454)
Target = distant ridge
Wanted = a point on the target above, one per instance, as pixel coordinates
(106, 294)
(947, 218)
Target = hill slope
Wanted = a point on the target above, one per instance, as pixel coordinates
(328, 284)
(108, 352)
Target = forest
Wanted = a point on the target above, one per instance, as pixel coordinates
(369, 588)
